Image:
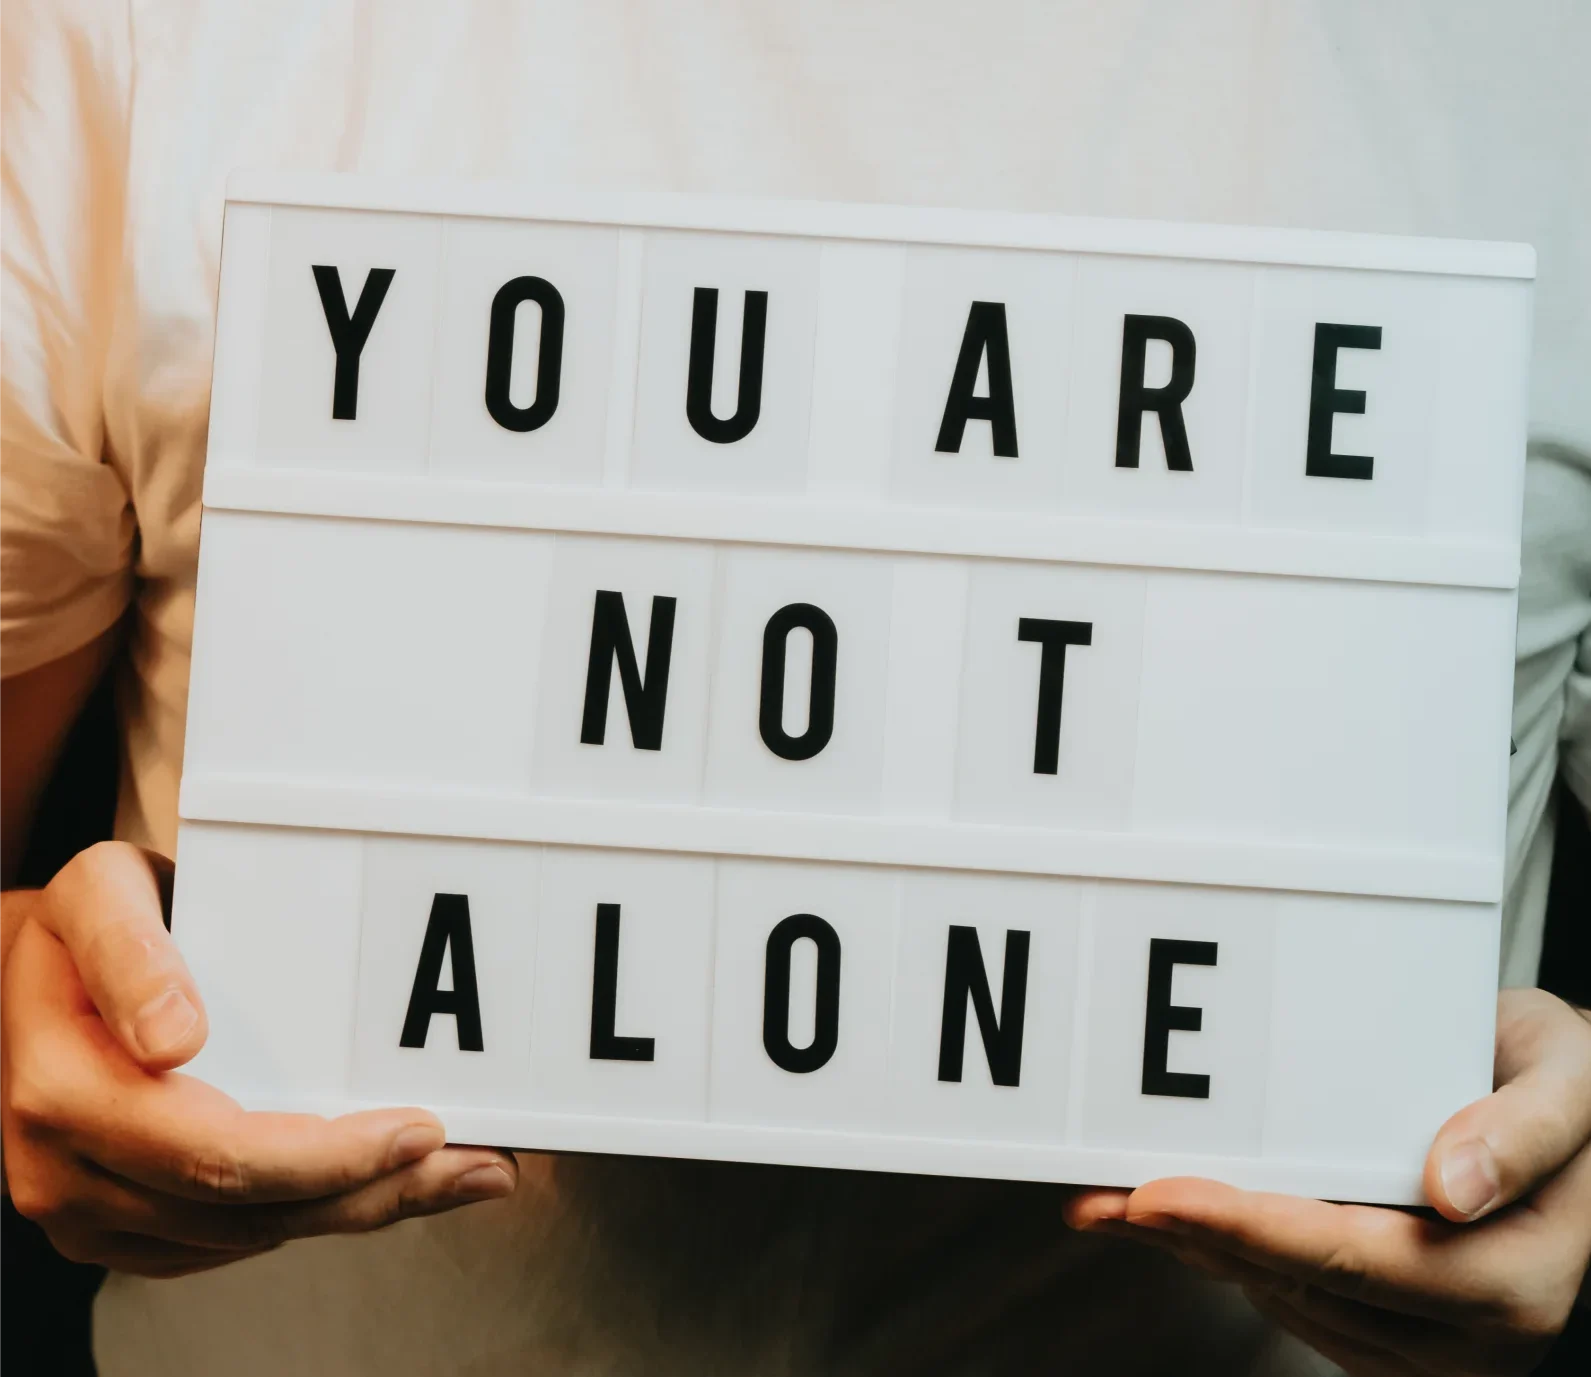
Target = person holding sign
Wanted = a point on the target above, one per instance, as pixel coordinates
(120, 124)
(1382, 1291)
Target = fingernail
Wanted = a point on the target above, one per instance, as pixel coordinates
(483, 1183)
(163, 1023)
(414, 1142)
(1470, 1178)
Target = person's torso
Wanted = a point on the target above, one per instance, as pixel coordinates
(1307, 114)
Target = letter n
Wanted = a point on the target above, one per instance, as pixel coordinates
(645, 692)
(966, 979)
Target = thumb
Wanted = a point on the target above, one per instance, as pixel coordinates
(107, 908)
(1494, 1151)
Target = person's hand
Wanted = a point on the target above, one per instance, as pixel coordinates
(1482, 1290)
(127, 1163)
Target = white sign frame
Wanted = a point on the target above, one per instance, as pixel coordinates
(288, 830)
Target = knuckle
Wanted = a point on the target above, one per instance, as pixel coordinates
(381, 1210)
(412, 1199)
(101, 900)
(385, 1211)
(1523, 1307)
(34, 1197)
(1553, 1135)
(90, 868)
(1346, 1265)
(219, 1174)
(32, 1096)
(104, 858)
(1534, 1319)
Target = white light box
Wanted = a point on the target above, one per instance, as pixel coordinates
(862, 687)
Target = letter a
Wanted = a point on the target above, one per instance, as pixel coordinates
(448, 929)
(985, 335)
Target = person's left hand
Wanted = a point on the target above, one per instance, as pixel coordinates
(1388, 1293)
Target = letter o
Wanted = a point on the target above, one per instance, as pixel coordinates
(776, 994)
(500, 354)
(820, 712)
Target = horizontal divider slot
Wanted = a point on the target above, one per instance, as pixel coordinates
(851, 840)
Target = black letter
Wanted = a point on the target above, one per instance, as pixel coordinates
(1326, 399)
(820, 699)
(1161, 1016)
(448, 926)
(965, 978)
(699, 379)
(605, 1045)
(349, 333)
(776, 994)
(1054, 637)
(644, 696)
(500, 353)
(1135, 398)
(985, 332)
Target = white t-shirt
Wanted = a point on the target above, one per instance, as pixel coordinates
(1451, 117)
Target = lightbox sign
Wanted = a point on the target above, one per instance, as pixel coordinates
(865, 687)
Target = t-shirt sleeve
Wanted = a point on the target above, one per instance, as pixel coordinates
(1552, 686)
(67, 528)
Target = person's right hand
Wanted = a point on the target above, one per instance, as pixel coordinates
(127, 1163)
